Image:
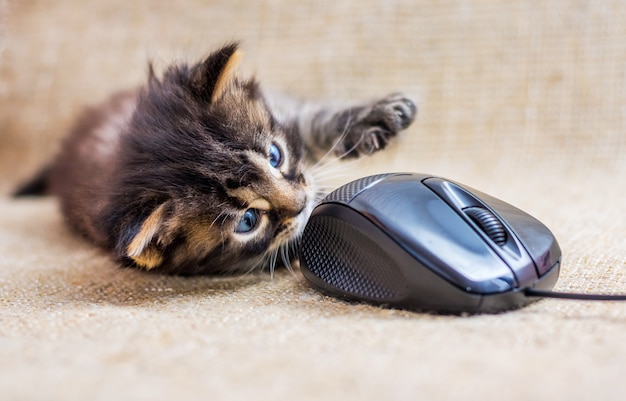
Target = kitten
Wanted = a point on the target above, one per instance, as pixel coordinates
(200, 171)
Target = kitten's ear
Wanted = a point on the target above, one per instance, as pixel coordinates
(211, 77)
(141, 248)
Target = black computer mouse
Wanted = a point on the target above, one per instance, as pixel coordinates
(425, 243)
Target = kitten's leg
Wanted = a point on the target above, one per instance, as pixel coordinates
(354, 131)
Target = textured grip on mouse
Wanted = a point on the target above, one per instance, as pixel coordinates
(488, 223)
(347, 192)
(332, 248)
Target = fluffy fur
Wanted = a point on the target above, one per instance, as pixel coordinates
(199, 171)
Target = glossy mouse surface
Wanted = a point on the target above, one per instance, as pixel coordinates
(425, 243)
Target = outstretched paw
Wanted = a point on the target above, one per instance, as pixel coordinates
(369, 129)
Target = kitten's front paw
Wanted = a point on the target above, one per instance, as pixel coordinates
(376, 124)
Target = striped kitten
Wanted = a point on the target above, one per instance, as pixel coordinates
(200, 171)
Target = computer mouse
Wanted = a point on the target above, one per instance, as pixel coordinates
(426, 243)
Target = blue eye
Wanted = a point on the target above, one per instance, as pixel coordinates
(275, 157)
(248, 222)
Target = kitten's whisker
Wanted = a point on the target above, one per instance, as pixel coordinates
(294, 246)
(273, 256)
(286, 250)
(223, 214)
(285, 258)
(336, 159)
(341, 138)
(328, 180)
(327, 164)
(321, 164)
(333, 172)
(352, 148)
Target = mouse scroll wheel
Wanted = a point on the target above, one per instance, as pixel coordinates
(488, 223)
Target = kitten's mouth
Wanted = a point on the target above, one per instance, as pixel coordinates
(294, 226)
(292, 229)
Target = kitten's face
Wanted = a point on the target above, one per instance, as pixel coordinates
(210, 181)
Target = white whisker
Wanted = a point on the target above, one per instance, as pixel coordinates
(334, 172)
(284, 254)
(295, 245)
(352, 148)
(223, 214)
(273, 256)
(337, 142)
(325, 169)
(328, 177)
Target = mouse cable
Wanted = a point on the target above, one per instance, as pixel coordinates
(530, 292)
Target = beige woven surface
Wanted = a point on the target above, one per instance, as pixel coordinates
(523, 100)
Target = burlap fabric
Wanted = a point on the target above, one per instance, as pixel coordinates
(523, 100)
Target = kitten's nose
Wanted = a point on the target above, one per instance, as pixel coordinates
(299, 204)
(301, 209)
(288, 201)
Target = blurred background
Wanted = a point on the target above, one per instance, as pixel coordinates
(501, 86)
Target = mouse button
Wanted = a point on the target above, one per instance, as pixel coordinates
(451, 193)
(435, 235)
(534, 236)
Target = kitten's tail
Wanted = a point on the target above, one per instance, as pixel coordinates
(36, 186)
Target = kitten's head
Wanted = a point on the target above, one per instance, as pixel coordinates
(209, 180)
